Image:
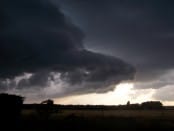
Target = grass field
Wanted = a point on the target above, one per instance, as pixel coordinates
(101, 119)
(149, 114)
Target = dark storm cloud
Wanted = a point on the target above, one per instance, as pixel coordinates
(37, 38)
(139, 31)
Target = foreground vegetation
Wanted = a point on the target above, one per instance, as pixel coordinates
(99, 119)
(49, 117)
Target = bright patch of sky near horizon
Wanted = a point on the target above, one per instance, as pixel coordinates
(122, 93)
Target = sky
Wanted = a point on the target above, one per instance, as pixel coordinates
(87, 51)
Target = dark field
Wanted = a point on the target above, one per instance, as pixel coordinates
(84, 119)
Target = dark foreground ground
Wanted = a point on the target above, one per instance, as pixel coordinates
(96, 119)
(108, 124)
(75, 118)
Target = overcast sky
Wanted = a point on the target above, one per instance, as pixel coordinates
(57, 48)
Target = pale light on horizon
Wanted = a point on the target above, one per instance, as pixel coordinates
(122, 93)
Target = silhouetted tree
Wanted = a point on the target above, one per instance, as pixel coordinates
(10, 108)
(128, 103)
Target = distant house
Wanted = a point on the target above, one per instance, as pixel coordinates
(152, 105)
(48, 102)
